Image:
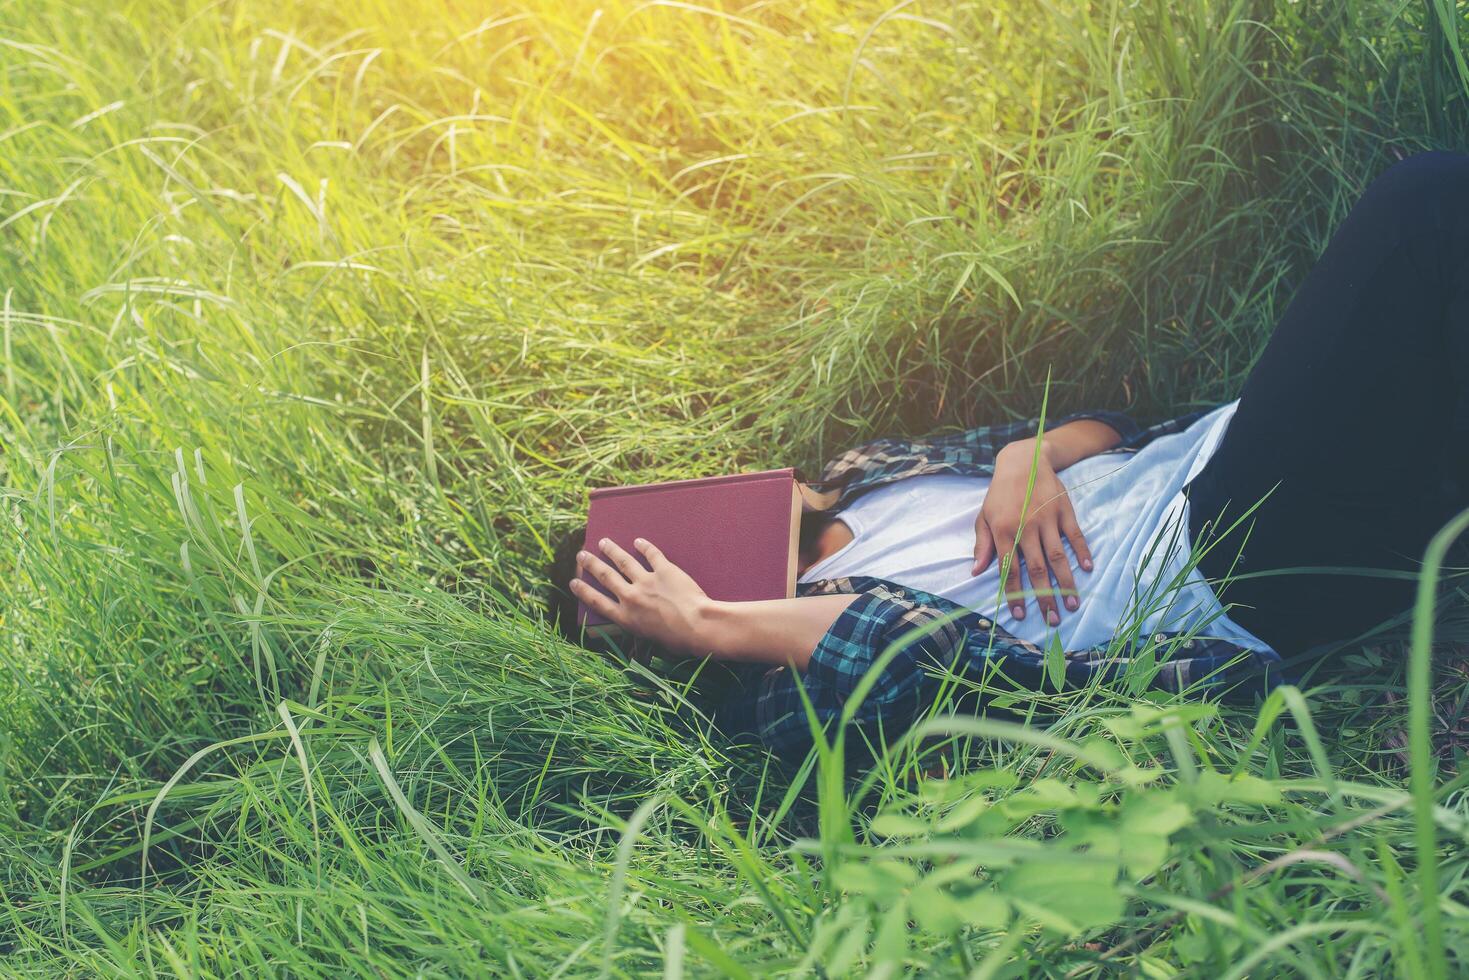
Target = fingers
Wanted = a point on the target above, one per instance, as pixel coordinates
(650, 551)
(984, 546)
(1040, 577)
(626, 563)
(616, 577)
(1072, 530)
(1010, 565)
(604, 573)
(1060, 564)
(597, 602)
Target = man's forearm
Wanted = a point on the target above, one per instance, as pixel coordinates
(1065, 444)
(778, 632)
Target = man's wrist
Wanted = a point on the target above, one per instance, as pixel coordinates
(1022, 452)
(712, 628)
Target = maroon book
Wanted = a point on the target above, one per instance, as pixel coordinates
(737, 536)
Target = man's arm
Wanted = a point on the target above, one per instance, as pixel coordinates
(661, 602)
(778, 632)
(1063, 445)
(830, 641)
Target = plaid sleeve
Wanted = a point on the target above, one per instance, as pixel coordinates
(1137, 438)
(986, 441)
(926, 640)
(971, 452)
(980, 446)
(902, 645)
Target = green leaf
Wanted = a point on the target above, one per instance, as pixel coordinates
(1066, 894)
(1142, 854)
(899, 825)
(1102, 754)
(943, 910)
(1213, 788)
(1042, 795)
(984, 907)
(964, 814)
(1193, 946)
(891, 945)
(1146, 719)
(1152, 815)
(1056, 662)
(988, 779)
(880, 879)
(1125, 727)
(934, 909)
(961, 872)
(842, 958)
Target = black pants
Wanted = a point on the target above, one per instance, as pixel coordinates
(1352, 432)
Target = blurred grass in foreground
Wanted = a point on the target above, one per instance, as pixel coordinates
(317, 321)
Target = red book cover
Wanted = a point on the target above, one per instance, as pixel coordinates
(737, 536)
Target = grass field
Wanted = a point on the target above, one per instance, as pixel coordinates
(318, 320)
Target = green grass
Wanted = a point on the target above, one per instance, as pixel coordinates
(318, 319)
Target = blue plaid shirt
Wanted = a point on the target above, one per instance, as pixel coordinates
(924, 644)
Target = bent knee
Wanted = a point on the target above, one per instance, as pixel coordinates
(1433, 178)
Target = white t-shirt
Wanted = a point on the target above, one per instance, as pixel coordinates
(919, 532)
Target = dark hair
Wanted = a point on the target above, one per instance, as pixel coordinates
(813, 522)
(561, 605)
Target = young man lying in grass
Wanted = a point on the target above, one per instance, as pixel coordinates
(1347, 449)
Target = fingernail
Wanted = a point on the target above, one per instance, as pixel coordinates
(1072, 602)
(1086, 564)
(605, 542)
(974, 569)
(1018, 612)
(1053, 618)
(640, 542)
(583, 555)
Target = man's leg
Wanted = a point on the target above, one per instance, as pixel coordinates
(1353, 423)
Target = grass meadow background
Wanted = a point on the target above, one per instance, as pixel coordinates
(318, 320)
